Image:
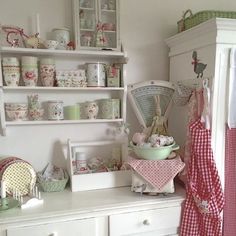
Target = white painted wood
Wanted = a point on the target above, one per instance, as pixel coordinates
(85, 227)
(211, 40)
(5, 88)
(2, 113)
(91, 181)
(64, 53)
(64, 59)
(98, 17)
(92, 207)
(152, 221)
(60, 122)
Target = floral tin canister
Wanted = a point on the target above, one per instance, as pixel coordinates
(109, 108)
(29, 70)
(96, 74)
(47, 71)
(55, 110)
(11, 71)
(61, 35)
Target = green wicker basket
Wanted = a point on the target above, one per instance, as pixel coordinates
(53, 186)
(190, 20)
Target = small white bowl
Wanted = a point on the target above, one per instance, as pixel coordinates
(51, 44)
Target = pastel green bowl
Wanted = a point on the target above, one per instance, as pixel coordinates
(154, 153)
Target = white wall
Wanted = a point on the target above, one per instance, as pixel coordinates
(144, 27)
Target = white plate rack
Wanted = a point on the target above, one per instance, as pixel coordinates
(101, 180)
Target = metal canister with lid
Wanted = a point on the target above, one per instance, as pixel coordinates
(62, 35)
(55, 110)
(96, 74)
(47, 71)
(29, 70)
(109, 108)
(11, 70)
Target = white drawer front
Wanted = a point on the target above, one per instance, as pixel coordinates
(85, 227)
(152, 222)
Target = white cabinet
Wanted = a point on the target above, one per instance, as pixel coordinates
(96, 24)
(211, 42)
(65, 60)
(113, 212)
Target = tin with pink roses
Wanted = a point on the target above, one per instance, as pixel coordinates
(29, 70)
(47, 71)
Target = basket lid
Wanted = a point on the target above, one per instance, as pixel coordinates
(142, 97)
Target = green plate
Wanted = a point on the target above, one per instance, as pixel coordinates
(11, 203)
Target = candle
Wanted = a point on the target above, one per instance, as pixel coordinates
(3, 189)
(37, 24)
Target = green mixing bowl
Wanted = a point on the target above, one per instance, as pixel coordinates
(154, 153)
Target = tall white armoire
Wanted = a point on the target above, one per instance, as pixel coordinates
(207, 44)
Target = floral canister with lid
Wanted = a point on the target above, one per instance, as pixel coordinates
(109, 108)
(11, 71)
(55, 110)
(96, 74)
(47, 71)
(61, 35)
(29, 70)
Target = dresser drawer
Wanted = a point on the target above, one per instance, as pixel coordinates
(157, 222)
(84, 227)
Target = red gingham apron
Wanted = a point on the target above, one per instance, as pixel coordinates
(204, 197)
(229, 222)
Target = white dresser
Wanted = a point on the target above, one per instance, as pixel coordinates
(113, 212)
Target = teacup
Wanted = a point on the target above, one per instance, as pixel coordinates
(51, 44)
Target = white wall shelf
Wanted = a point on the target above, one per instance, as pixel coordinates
(65, 53)
(24, 88)
(59, 122)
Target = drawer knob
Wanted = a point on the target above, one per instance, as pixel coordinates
(53, 234)
(146, 222)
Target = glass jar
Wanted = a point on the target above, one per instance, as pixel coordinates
(81, 163)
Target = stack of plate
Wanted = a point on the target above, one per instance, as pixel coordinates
(18, 175)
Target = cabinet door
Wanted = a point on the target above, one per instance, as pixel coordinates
(108, 16)
(96, 24)
(86, 227)
(85, 20)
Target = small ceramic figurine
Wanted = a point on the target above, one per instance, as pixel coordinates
(101, 40)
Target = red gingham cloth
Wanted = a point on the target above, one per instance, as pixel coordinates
(204, 198)
(229, 220)
(157, 173)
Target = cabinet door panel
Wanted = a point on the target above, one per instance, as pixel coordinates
(86, 227)
(146, 223)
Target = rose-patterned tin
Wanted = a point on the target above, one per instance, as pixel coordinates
(11, 71)
(47, 71)
(29, 70)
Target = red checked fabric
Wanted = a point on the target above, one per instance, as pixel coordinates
(204, 198)
(229, 222)
(157, 173)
